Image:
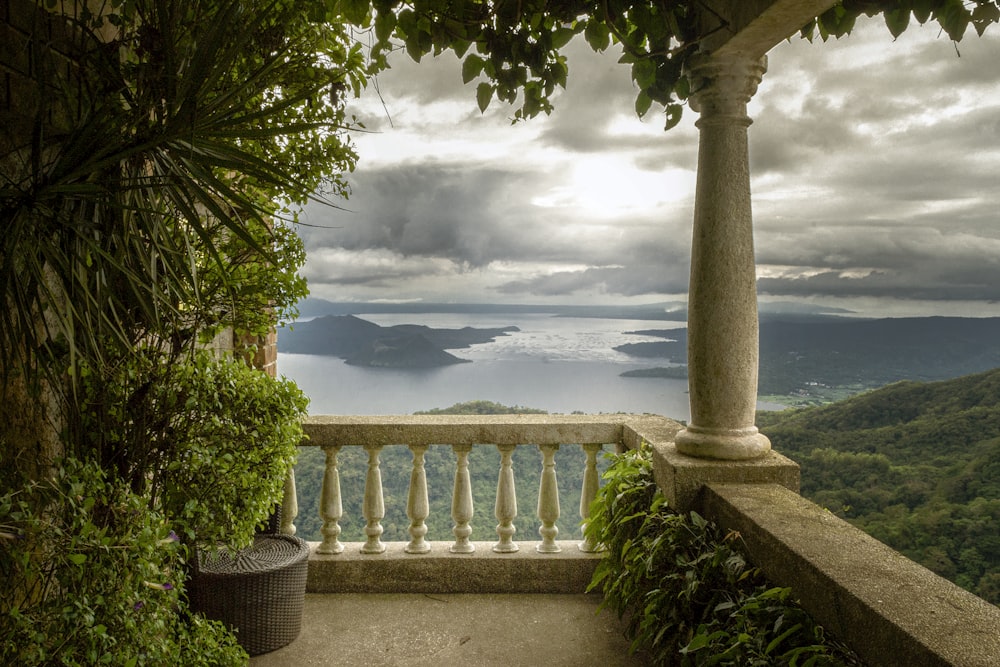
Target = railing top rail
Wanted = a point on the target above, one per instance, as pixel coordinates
(343, 430)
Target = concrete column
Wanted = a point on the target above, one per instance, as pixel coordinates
(722, 297)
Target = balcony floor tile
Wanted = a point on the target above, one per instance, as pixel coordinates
(462, 629)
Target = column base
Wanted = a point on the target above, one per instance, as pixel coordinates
(682, 477)
(722, 443)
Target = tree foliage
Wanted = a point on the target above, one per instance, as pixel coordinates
(514, 49)
(92, 577)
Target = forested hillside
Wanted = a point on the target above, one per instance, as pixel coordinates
(439, 462)
(917, 465)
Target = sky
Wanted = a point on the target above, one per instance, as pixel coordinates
(875, 172)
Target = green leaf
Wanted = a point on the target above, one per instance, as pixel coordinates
(683, 88)
(983, 16)
(782, 637)
(673, 113)
(472, 67)
(922, 10)
(561, 37)
(355, 11)
(642, 104)
(385, 23)
(597, 35)
(77, 559)
(484, 93)
(697, 642)
(954, 18)
(644, 73)
(897, 20)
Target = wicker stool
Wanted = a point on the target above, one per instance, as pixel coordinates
(258, 591)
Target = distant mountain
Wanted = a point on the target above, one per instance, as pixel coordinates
(796, 308)
(339, 336)
(915, 465)
(669, 311)
(674, 311)
(363, 343)
(799, 352)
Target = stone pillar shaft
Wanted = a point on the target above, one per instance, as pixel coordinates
(722, 298)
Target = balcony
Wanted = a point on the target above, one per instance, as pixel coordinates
(488, 598)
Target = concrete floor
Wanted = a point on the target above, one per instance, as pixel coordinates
(471, 630)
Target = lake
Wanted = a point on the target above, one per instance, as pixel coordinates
(557, 364)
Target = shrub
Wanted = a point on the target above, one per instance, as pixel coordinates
(93, 576)
(94, 558)
(685, 588)
(208, 440)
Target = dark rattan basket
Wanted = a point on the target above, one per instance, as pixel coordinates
(258, 591)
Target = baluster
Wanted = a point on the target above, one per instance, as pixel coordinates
(548, 501)
(588, 493)
(506, 505)
(331, 509)
(374, 505)
(289, 505)
(417, 506)
(461, 502)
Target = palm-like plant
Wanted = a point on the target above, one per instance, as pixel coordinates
(138, 207)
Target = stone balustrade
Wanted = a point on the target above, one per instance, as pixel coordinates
(461, 434)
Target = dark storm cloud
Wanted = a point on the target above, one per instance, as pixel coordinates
(879, 178)
(468, 218)
(671, 278)
(973, 285)
(600, 93)
(425, 210)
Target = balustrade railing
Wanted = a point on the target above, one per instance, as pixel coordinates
(506, 433)
(417, 505)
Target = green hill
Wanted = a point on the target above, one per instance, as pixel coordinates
(916, 465)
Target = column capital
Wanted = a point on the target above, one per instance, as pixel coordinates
(721, 86)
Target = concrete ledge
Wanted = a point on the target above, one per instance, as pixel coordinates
(682, 477)
(889, 609)
(440, 571)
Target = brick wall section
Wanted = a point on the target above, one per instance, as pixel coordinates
(264, 349)
(266, 352)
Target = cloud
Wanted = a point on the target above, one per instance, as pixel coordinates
(874, 169)
(627, 281)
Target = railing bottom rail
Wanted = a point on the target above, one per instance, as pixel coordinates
(442, 571)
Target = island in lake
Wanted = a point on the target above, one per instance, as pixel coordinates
(362, 343)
